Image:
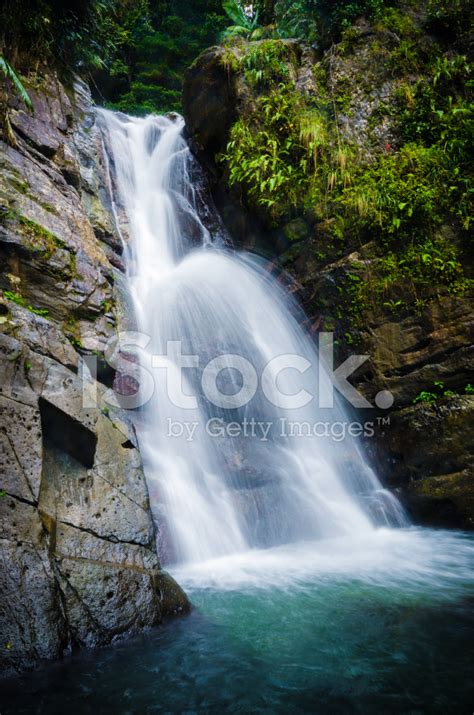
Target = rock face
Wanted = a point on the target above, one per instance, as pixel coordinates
(420, 454)
(79, 563)
(432, 456)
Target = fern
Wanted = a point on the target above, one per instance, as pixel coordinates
(10, 74)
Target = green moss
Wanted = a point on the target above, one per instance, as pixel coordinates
(343, 95)
(398, 22)
(22, 302)
(72, 331)
(349, 39)
(38, 237)
(21, 186)
(106, 306)
(231, 59)
(47, 207)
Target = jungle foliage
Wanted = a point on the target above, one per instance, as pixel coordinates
(133, 52)
(408, 205)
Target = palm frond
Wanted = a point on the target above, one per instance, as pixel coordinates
(10, 74)
(234, 11)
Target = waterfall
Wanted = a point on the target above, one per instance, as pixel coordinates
(230, 470)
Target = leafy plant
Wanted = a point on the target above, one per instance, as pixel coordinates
(156, 44)
(10, 76)
(435, 394)
(322, 20)
(8, 71)
(400, 193)
(19, 300)
(439, 112)
(426, 396)
(266, 63)
(245, 21)
(265, 156)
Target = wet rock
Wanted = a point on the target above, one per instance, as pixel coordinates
(209, 97)
(77, 544)
(431, 455)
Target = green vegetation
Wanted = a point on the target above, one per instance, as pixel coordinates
(11, 83)
(323, 20)
(436, 393)
(245, 22)
(270, 161)
(134, 52)
(410, 205)
(439, 112)
(38, 237)
(159, 39)
(74, 34)
(72, 331)
(22, 302)
(406, 207)
(7, 70)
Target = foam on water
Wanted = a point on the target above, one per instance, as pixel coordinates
(246, 509)
(410, 561)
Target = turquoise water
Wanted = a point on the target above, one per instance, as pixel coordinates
(384, 627)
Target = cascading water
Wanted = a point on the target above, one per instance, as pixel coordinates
(227, 478)
(369, 620)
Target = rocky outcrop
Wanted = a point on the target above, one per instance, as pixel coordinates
(432, 457)
(409, 350)
(412, 343)
(79, 564)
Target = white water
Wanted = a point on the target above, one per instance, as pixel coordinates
(218, 496)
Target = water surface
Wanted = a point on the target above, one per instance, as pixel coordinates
(377, 626)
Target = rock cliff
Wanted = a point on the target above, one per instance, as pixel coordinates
(417, 338)
(79, 563)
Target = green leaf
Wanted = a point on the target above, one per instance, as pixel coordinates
(10, 73)
(234, 11)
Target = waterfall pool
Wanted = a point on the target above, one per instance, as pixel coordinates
(379, 625)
